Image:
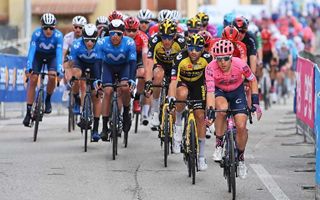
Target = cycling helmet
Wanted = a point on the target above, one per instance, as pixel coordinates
(115, 15)
(223, 48)
(195, 40)
(79, 20)
(241, 24)
(204, 18)
(90, 31)
(102, 20)
(116, 24)
(168, 27)
(131, 23)
(206, 36)
(228, 19)
(144, 14)
(48, 19)
(253, 28)
(176, 15)
(194, 23)
(164, 14)
(230, 33)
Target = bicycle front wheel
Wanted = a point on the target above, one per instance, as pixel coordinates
(114, 128)
(136, 122)
(231, 149)
(37, 114)
(86, 116)
(166, 130)
(70, 115)
(193, 151)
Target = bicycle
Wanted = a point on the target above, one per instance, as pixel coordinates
(229, 161)
(37, 109)
(71, 116)
(190, 145)
(114, 123)
(86, 117)
(136, 114)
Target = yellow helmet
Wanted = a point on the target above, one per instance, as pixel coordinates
(168, 27)
(204, 18)
(196, 40)
(194, 23)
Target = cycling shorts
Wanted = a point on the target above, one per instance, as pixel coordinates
(38, 62)
(109, 71)
(236, 99)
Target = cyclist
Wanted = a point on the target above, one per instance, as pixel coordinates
(162, 15)
(115, 15)
(78, 22)
(141, 40)
(187, 79)
(119, 58)
(208, 40)
(144, 17)
(204, 18)
(163, 47)
(46, 43)
(224, 81)
(86, 53)
(194, 26)
(102, 26)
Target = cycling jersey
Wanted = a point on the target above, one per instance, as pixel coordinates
(227, 81)
(46, 47)
(183, 69)
(141, 41)
(159, 54)
(212, 29)
(250, 42)
(79, 51)
(68, 40)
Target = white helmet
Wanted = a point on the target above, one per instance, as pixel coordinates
(164, 14)
(144, 14)
(48, 19)
(79, 20)
(176, 15)
(102, 20)
(90, 31)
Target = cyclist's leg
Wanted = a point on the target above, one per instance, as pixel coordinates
(96, 100)
(107, 74)
(181, 95)
(77, 72)
(140, 85)
(158, 75)
(52, 72)
(67, 76)
(220, 123)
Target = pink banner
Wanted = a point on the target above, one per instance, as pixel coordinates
(305, 91)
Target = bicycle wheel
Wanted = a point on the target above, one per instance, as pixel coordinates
(114, 128)
(232, 163)
(125, 138)
(265, 94)
(37, 114)
(70, 114)
(166, 130)
(136, 121)
(193, 151)
(86, 117)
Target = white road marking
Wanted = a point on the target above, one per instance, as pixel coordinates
(268, 181)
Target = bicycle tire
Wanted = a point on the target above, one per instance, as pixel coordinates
(37, 113)
(232, 164)
(125, 139)
(86, 116)
(114, 128)
(265, 97)
(136, 122)
(193, 151)
(166, 130)
(70, 113)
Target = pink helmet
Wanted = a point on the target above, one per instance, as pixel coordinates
(223, 48)
(131, 23)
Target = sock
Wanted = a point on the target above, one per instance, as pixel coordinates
(48, 97)
(178, 118)
(105, 120)
(219, 141)
(137, 96)
(202, 142)
(145, 110)
(156, 105)
(240, 155)
(96, 124)
(29, 107)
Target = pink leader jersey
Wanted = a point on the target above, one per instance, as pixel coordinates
(227, 81)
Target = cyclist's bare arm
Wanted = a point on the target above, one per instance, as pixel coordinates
(253, 63)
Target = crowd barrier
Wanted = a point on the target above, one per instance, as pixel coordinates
(317, 129)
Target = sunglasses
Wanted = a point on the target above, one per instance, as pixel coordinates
(144, 22)
(48, 27)
(78, 27)
(131, 30)
(225, 58)
(167, 37)
(113, 33)
(193, 30)
(196, 48)
(93, 40)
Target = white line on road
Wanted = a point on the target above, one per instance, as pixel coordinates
(268, 181)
